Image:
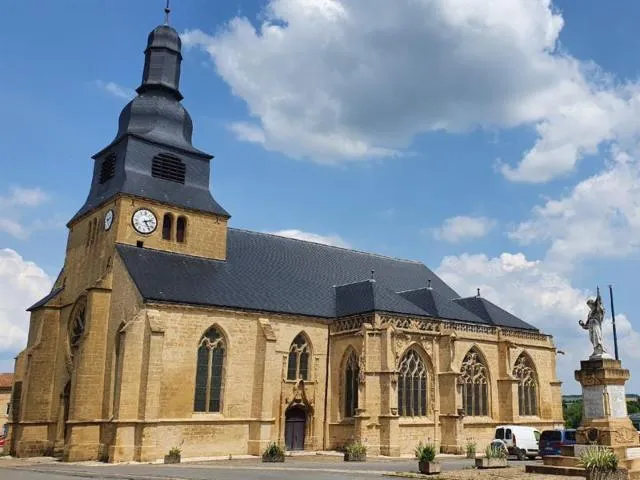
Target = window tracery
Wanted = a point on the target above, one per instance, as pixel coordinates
(351, 380)
(525, 373)
(299, 354)
(412, 385)
(474, 385)
(209, 372)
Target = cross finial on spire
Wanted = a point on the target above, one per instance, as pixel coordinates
(167, 11)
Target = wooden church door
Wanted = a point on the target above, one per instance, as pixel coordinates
(295, 422)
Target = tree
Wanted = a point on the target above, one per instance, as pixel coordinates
(633, 407)
(572, 413)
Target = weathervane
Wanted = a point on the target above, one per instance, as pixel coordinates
(167, 11)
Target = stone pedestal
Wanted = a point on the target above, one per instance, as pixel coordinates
(604, 419)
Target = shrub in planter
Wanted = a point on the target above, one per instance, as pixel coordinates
(174, 455)
(470, 448)
(495, 456)
(426, 455)
(600, 463)
(355, 452)
(273, 453)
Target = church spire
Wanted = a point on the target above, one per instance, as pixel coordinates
(162, 59)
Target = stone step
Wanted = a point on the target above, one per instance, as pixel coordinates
(561, 461)
(634, 474)
(631, 463)
(556, 470)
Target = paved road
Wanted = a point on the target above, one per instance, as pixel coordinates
(326, 468)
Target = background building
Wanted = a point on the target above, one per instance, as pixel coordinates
(6, 382)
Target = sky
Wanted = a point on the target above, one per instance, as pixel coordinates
(497, 142)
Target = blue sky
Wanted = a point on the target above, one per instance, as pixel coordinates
(496, 144)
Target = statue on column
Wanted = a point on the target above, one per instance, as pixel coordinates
(594, 325)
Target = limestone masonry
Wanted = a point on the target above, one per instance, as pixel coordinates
(167, 328)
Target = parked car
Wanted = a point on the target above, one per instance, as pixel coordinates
(519, 440)
(2, 441)
(552, 440)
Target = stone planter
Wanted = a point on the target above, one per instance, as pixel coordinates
(350, 457)
(172, 459)
(429, 468)
(619, 474)
(491, 462)
(273, 458)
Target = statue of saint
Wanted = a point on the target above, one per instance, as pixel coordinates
(594, 325)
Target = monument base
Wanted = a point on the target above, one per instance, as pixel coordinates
(604, 421)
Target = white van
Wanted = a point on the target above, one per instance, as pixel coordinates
(519, 440)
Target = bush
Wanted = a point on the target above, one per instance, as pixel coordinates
(175, 452)
(425, 452)
(273, 451)
(598, 459)
(356, 449)
(495, 451)
(470, 447)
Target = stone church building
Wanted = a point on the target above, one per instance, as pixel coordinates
(166, 327)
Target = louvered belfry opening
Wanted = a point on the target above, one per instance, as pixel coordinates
(108, 168)
(169, 168)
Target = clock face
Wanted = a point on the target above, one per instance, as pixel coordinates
(108, 220)
(144, 221)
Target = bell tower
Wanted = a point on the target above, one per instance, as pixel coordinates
(150, 185)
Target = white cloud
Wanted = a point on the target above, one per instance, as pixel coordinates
(334, 240)
(22, 283)
(538, 294)
(27, 197)
(337, 80)
(599, 217)
(460, 228)
(116, 90)
(12, 208)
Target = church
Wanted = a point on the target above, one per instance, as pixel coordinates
(168, 328)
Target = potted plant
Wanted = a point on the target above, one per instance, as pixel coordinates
(355, 452)
(273, 453)
(470, 448)
(600, 463)
(495, 456)
(174, 455)
(426, 454)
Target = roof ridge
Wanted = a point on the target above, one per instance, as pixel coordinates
(353, 283)
(166, 252)
(362, 252)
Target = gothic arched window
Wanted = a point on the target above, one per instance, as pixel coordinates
(412, 386)
(351, 381)
(181, 229)
(209, 372)
(474, 383)
(525, 373)
(167, 226)
(299, 353)
(77, 325)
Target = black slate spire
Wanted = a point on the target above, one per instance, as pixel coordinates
(162, 59)
(154, 125)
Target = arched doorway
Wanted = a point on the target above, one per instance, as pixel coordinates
(295, 422)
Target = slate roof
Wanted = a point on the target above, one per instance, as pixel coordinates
(437, 305)
(266, 272)
(6, 380)
(370, 296)
(53, 294)
(492, 314)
